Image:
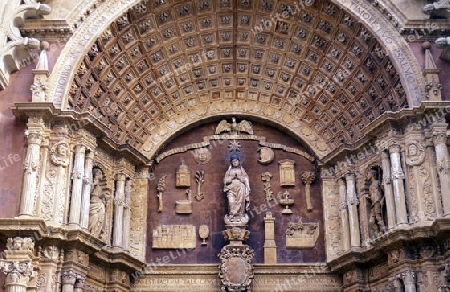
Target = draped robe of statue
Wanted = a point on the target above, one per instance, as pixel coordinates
(97, 207)
(237, 188)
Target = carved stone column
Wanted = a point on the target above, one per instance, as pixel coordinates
(79, 283)
(68, 279)
(118, 210)
(398, 185)
(396, 283)
(77, 185)
(31, 168)
(409, 278)
(345, 228)
(17, 264)
(86, 194)
(353, 202)
(434, 177)
(127, 215)
(388, 192)
(308, 178)
(270, 247)
(443, 164)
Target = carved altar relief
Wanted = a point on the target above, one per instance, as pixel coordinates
(302, 235)
(183, 176)
(287, 172)
(174, 236)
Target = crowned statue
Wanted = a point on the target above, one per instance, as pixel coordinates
(237, 189)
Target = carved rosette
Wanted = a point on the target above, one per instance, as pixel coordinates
(235, 269)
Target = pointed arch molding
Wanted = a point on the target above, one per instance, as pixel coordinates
(101, 18)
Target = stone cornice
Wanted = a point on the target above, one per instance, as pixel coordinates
(381, 245)
(388, 119)
(68, 239)
(49, 30)
(76, 121)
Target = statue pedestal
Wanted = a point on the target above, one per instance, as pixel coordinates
(236, 269)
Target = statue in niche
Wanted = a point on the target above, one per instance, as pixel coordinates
(377, 201)
(97, 208)
(237, 188)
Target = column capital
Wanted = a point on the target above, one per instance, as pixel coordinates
(409, 277)
(394, 148)
(79, 148)
(439, 138)
(341, 182)
(17, 272)
(350, 176)
(34, 137)
(121, 177)
(68, 277)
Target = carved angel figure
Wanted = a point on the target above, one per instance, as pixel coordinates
(97, 207)
(237, 187)
(234, 127)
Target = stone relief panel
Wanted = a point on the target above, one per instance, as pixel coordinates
(266, 194)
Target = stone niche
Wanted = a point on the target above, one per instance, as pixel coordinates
(212, 208)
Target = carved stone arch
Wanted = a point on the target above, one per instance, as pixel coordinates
(331, 110)
(286, 123)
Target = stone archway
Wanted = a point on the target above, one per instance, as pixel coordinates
(322, 78)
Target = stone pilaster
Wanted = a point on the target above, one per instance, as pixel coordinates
(345, 227)
(77, 184)
(352, 203)
(138, 222)
(443, 163)
(398, 177)
(431, 158)
(332, 221)
(48, 268)
(118, 210)
(86, 194)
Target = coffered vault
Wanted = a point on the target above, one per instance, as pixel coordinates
(317, 68)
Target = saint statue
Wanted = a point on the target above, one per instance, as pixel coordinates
(97, 207)
(237, 188)
(377, 202)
